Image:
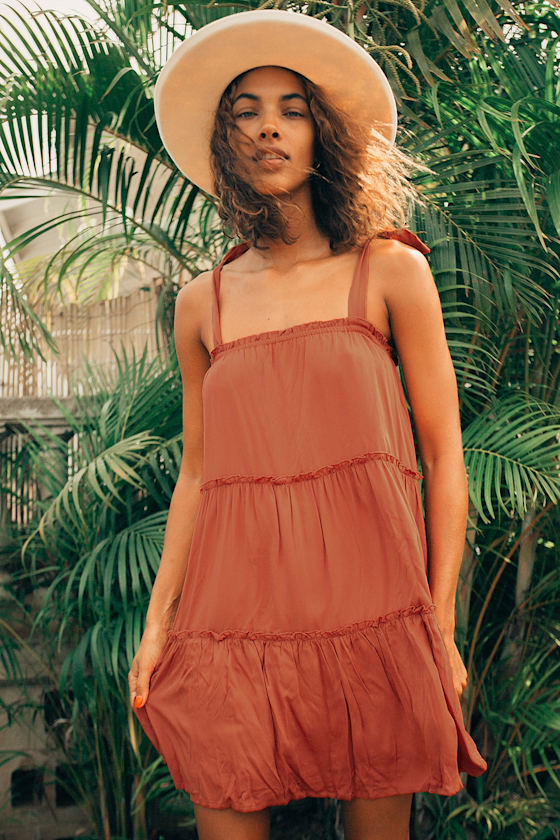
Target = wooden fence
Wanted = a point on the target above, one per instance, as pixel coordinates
(82, 331)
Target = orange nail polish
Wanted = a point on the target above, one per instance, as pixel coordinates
(138, 702)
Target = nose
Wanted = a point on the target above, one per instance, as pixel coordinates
(268, 131)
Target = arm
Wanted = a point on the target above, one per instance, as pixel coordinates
(192, 356)
(418, 332)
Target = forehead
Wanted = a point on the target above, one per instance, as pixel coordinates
(270, 75)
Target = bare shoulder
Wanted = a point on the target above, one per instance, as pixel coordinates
(191, 318)
(405, 280)
(192, 303)
(412, 300)
(190, 307)
(196, 293)
(401, 269)
(418, 331)
(394, 267)
(417, 325)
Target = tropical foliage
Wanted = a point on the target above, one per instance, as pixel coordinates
(480, 102)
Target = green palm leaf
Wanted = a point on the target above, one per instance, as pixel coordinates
(511, 455)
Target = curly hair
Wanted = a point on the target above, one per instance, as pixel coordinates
(359, 187)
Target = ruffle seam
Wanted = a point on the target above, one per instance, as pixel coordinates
(295, 477)
(344, 323)
(356, 626)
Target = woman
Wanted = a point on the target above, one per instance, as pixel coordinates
(298, 642)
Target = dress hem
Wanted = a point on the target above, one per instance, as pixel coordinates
(359, 709)
(260, 803)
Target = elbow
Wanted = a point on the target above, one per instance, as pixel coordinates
(444, 461)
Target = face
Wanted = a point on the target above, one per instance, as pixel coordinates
(269, 106)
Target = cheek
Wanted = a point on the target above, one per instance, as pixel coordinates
(241, 139)
(307, 142)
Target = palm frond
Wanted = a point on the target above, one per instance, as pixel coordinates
(511, 455)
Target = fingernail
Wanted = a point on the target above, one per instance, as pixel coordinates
(138, 702)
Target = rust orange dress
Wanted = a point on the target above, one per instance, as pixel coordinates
(305, 658)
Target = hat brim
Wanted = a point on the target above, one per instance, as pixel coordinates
(189, 87)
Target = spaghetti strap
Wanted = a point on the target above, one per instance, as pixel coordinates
(357, 297)
(230, 255)
(216, 329)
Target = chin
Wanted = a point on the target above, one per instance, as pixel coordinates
(271, 189)
(278, 188)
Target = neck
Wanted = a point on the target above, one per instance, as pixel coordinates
(311, 243)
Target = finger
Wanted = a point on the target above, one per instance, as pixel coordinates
(133, 682)
(141, 691)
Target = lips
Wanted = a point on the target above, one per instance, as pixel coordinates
(276, 152)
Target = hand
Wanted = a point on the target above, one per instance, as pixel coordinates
(460, 675)
(148, 653)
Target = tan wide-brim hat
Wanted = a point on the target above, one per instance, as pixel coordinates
(189, 87)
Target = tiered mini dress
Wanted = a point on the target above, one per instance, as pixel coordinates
(305, 658)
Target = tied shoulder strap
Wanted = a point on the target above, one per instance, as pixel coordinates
(357, 299)
(407, 236)
(230, 255)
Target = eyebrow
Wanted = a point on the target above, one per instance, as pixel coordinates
(282, 98)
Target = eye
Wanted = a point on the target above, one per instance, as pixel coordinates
(252, 113)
